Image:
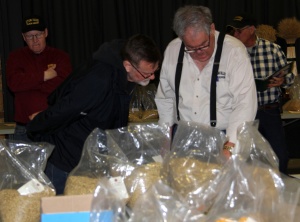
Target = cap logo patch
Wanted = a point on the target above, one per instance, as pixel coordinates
(238, 18)
(33, 21)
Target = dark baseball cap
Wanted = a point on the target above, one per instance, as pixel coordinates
(33, 22)
(242, 20)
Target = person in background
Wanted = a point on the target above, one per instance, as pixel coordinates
(236, 100)
(266, 58)
(96, 95)
(33, 72)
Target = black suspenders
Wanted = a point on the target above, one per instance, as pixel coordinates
(213, 115)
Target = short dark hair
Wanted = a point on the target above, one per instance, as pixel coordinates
(141, 47)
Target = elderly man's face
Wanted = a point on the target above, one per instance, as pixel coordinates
(243, 34)
(199, 45)
(36, 40)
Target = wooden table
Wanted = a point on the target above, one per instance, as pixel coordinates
(290, 115)
(7, 128)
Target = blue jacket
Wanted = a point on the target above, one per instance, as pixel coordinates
(95, 95)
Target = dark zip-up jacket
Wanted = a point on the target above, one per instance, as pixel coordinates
(96, 95)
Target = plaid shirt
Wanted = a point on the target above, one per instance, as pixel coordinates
(266, 58)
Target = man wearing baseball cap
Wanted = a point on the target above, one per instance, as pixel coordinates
(266, 58)
(241, 22)
(33, 72)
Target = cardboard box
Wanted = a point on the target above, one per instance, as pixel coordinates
(66, 208)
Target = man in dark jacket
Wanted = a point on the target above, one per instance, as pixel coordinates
(96, 95)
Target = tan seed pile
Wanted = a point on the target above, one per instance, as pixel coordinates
(140, 180)
(21, 208)
(187, 174)
(135, 116)
(79, 185)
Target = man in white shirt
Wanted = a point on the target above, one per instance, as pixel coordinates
(236, 100)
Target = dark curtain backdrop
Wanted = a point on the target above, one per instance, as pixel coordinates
(80, 26)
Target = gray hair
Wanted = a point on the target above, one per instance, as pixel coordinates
(197, 17)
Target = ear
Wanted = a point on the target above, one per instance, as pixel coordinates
(252, 29)
(23, 37)
(46, 32)
(127, 65)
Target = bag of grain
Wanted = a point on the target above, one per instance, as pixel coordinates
(93, 165)
(142, 105)
(196, 157)
(23, 181)
(135, 155)
(244, 191)
(149, 106)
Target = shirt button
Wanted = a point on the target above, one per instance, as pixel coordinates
(195, 113)
(197, 96)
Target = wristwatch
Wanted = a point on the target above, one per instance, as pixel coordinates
(229, 148)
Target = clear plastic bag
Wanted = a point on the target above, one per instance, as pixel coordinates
(92, 167)
(142, 105)
(135, 106)
(144, 147)
(252, 146)
(160, 203)
(23, 181)
(138, 152)
(250, 186)
(149, 106)
(244, 191)
(107, 204)
(196, 157)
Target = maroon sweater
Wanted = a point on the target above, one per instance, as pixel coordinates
(25, 78)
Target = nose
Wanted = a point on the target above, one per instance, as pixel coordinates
(35, 38)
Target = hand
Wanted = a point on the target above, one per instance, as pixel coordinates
(50, 73)
(31, 117)
(227, 152)
(276, 82)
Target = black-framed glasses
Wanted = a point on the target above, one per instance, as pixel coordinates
(148, 75)
(200, 48)
(38, 36)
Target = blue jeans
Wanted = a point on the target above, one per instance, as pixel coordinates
(270, 126)
(20, 133)
(57, 176)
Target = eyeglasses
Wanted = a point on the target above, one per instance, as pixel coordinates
(200, 48)
(38, 36)
(239, 31)
(146, 76)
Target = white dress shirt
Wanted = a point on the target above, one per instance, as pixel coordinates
(236, 91)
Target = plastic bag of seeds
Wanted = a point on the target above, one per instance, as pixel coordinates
(149, 106)
(142, 105)
(23, 182)
(251, 191)
(135, 155)
(97, 163)
(135, 106)
(93, 165)
(107, 204)
(196, 157)
(160, 203)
